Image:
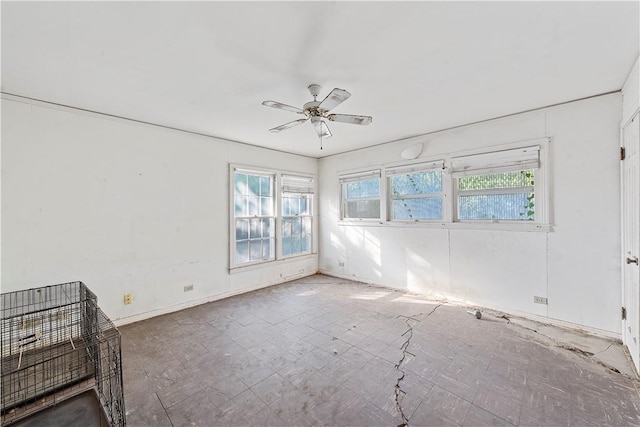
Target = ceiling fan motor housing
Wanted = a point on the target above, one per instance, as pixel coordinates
(314, 89)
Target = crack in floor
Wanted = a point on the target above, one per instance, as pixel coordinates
(584, 353)
(399, 392)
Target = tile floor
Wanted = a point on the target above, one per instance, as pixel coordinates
(326, 351)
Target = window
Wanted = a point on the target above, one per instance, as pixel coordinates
(297, 193)
(497, 186)
(272, 216)
(503, 189)
(254, 217)
(361, 195)
(416, 192)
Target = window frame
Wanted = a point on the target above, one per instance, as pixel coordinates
(277, 191)
(234, 217)
(363, 175)
(541, 223)
(416, 168)
(493, 165)
(303, 190)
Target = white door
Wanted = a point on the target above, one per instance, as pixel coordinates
(631, 238)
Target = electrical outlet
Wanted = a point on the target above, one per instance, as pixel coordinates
(128, 299)
(540, 300)
(188, 288)
(340, 264)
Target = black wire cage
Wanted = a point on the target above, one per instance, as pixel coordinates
(56, 345)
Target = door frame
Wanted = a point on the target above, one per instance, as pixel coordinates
(635, 355)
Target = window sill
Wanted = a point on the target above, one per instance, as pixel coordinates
(489, 226)
(271, 263)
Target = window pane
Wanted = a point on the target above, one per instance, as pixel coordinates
(266, 206)
(286, 246)
(515, 179)
(254, 184)
(363, 189)
(252, 205)
(267, 227)
(296, 225)
(255, 252)
(240, 208)
(362, 209)
(290, 204)
(295, 204)
(517, 206)
(286, 205)
(306, 225)
(242, 229)
(255, 230)
(265, 186)
(242, 252)
(240, 183)
(304, 205)
(306, 244)
(424, 208)
(417, 183)
(295, 245)
(267, 248)
(286, 226)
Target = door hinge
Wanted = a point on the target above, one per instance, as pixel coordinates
(622, 153)
(624, 313)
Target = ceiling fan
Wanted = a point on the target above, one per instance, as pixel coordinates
(317, 112)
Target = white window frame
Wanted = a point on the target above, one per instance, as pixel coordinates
(542, 221)
(299, 185)
(507, 160)
(305, 183)
(234, 217)
(362, 176)
(437, 165)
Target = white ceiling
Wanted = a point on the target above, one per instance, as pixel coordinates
(416, 67)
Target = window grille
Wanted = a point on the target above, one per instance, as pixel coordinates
(297, 215)
(254, 217)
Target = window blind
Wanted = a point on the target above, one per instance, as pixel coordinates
(297, 184)
(498, 161)
(352, 177)
(418, 167)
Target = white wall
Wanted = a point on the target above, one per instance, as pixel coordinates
(631, 93)
(133, 208)
(126, 208)
(576, 265)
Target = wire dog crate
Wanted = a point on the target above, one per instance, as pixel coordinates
(57, 344)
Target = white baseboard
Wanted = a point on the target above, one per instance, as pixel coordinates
(177, 307)
(458, 301)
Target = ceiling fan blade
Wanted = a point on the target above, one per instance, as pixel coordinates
(335, 98)
(321, 127)
(281, 106)
(288, 125)
(348, 118)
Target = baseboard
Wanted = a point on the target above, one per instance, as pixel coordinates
(193, 303)
(466, 303)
